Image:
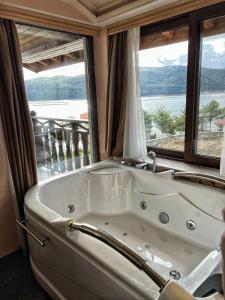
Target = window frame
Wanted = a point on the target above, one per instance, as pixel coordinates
(194, 21)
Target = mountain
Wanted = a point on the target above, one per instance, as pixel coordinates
(56, 88)
(172, 80)
(153, 81)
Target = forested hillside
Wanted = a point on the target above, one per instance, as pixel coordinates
(153, 81)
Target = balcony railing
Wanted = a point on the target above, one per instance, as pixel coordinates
(61, 144)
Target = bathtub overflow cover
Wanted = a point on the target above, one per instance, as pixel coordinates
(175, 275)
(70, 208)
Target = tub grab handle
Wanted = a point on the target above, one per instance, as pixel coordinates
(39, 241)
(122, 248)
(215, 181)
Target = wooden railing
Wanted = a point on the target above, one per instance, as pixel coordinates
(61, 144)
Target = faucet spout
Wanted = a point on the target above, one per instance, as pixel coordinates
(152, 155)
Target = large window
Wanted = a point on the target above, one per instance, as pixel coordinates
(211, 110)
(163, 80)
(182, 81)
(54, 74)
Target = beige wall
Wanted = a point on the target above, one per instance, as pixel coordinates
(101, 72)
(8, 232)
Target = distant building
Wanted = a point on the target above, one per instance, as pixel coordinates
(220, 124)
(84, 116)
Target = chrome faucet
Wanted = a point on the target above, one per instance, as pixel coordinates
(152, 155)
(141, 165)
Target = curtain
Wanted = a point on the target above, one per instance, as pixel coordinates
(15, 117)
(92, 98)
(222, 162)
(134, 145)
(115, 111)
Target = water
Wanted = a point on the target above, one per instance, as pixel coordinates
(73, 108)
(59, 108)
(176, 104)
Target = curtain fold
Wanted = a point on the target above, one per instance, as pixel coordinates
(116, 94)
(92, 98)
(222, 161)
(15, 117)
(134, 145)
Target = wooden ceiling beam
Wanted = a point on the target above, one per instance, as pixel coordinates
(62, 61)
(53, 52)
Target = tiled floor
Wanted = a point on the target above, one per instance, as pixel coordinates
(17, 281)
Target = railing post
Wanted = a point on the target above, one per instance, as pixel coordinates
(75, 136)
(84, 138)
(68, 150)
(53, 139)
(38, 140)
(59, 134)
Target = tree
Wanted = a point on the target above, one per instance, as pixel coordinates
(211, 111)
(179, 122)
(164, 121)
(148, 119)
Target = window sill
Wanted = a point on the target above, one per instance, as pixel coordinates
(187, 167)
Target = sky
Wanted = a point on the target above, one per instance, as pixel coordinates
(147, 58)
(72, 70)
(152, 57)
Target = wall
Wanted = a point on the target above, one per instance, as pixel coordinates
(8, 231)
(101, 72)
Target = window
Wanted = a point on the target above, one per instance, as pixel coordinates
(163, 79)
(54, 74)
(211, 109)
(182, 83)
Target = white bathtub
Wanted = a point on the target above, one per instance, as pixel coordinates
(148, 212)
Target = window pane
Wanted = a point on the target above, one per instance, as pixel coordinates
(211, 117)
(54, 73)
(163, 76)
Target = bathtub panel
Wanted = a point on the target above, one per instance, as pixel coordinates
(69, 290)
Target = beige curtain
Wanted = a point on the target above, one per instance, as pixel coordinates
(15, 117)
(116, 94)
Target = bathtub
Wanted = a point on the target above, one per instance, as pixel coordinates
(174, 225)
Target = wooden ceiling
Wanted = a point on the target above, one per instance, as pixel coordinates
(45, 49)
(105, 12)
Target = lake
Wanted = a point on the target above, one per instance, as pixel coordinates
(73, 108)
(176, 104)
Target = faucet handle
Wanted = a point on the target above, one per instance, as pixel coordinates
(151, 155)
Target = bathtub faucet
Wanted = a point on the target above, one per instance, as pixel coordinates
(152, 155)
(141, 165)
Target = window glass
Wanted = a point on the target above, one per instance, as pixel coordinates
(54, 74)
(163, 77)
(211, 109)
